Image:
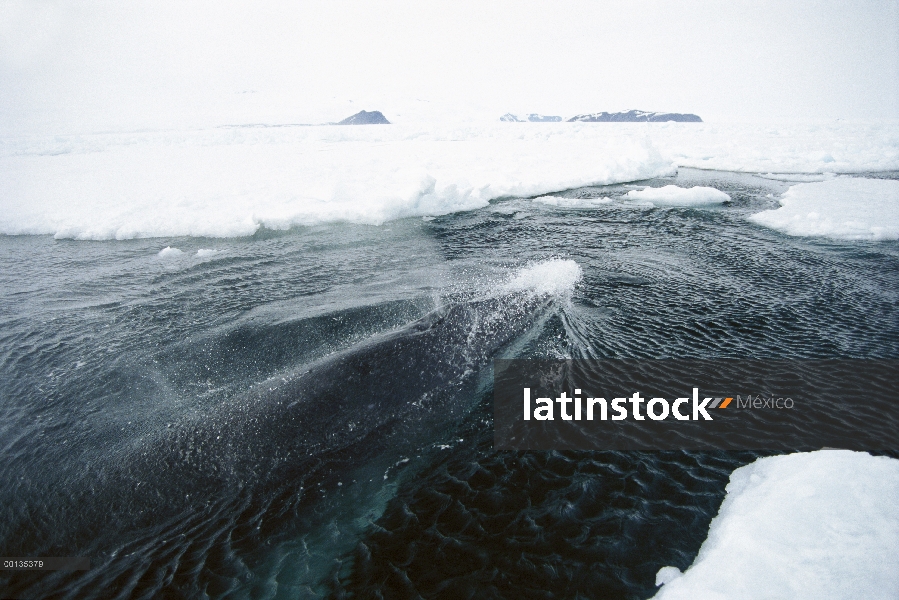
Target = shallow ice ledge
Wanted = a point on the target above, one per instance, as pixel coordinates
(841, 208)
(813, 525)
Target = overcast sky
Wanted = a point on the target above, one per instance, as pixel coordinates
(95, 65)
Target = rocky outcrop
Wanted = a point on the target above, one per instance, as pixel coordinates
(366, 118)
(532, 118)
(637, 116)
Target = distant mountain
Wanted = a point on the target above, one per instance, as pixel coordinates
(533, 118)
(635, 116)
(366, 118)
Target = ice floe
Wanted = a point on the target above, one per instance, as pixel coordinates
(169, 252)
(672, 195)
(813, 526)
(571, 202)
(843, 208)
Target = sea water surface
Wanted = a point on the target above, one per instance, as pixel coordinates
(306, 413)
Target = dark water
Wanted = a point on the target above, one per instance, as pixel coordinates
(307, 413)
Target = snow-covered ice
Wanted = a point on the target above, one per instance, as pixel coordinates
(837, 147)
(226, 182)
(230, 182)
(841, 208)
(816, 526)
(672, 195)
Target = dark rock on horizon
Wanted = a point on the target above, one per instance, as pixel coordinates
(533, 118)
(638, 116)
(366, 118)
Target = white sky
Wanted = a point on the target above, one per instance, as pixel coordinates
(113, 65)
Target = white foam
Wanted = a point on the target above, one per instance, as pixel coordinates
(571, 202)
(206, 252)
(813, 526)
(841, 208)
(168, 252)
(672, 195)
(555, 276)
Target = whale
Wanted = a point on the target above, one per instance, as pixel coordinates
(261, 461)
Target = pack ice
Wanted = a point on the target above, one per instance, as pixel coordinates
(230, 181)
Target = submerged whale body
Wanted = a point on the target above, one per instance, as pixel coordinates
(258, 462)
(396, 382)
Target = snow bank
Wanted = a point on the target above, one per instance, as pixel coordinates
(672, 195)
(556, 276)
(231, 181)
(842, 208)
(814, 525)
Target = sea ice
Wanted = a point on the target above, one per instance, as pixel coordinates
(672, 195)
(798, 177)
(813, 526)
(571, 202)
(169, 252)
(842, 208)
(667, 575)
(229, 182)
(836, 147)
